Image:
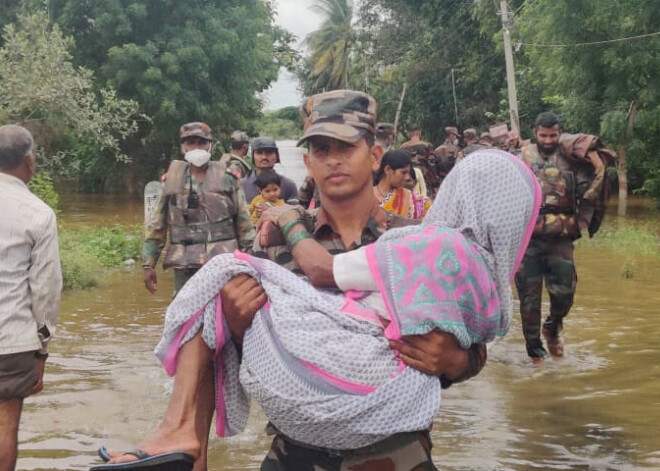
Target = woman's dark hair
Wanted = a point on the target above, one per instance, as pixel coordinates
(413, 175)
(266, 178)
(394, 159)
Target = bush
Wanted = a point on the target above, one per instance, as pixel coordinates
(42, 186)
(85, 252)
(80, 270)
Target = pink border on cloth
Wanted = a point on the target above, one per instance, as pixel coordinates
(172, 356)
(532, 221)
(393, 330)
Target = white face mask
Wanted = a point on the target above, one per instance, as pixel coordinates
(198, 157)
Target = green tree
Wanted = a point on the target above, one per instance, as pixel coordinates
(597, 85)
(41, 89)
(426, 45)
(330, 46)
(181, 61)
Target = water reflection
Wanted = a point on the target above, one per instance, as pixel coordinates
(596, 409)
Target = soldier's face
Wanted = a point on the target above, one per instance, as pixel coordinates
(194, 142)
(342, 171)
(265, 158)
(547, 139)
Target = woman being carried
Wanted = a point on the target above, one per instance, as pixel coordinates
(320, 363)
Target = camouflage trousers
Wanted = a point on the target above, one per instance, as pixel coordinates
(401, 452)
(549, 259)
(181, 277)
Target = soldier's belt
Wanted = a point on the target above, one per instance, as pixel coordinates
(202, 233)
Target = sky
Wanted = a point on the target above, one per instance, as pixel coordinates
(294, 16)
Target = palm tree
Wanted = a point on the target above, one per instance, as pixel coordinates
(331, 44)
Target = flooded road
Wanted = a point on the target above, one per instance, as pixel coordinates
(596, 409)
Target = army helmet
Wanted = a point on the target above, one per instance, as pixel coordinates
(265, 142)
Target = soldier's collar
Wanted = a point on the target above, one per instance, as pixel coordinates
(377, 223)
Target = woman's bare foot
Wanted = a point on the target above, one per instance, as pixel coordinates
(164, 440)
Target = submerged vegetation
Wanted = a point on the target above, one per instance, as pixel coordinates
(88, 251)
(632, 240)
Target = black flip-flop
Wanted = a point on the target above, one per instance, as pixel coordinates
(173, 461)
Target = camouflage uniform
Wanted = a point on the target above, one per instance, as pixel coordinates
(237, 166)
(424, 159)
(549, 255)
(349, 117)
(308, 191)
(470, 136)
(214, 220)
(405, 451)
(446, 155)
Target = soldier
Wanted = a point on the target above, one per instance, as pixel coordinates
(341, 156)
(452, 137)
(471, 144)
(265, 155)
(202, 206)
(385, 136)
(447, 152)
(424, 159)
(236, 161)
(485, 139)
(549, 256)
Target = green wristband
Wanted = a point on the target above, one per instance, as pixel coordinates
(290, 225)
(296, 237)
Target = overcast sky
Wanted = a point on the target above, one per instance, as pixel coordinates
(295, 16)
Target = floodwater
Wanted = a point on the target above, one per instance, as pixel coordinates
(596, 409)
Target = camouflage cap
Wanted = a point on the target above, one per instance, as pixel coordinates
(196, 129)
(470, 132)
(485, 134)
(345, 115)
(386, 127)
(239, 136)
(452, 130)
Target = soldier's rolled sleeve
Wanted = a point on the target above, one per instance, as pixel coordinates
(155, 234)
(245, 232)
(45, 280)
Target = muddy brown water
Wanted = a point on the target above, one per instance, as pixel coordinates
(596, 409)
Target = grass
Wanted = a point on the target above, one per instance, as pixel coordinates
(632, 240)
(87, 252)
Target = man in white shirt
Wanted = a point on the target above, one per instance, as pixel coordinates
(30, 285)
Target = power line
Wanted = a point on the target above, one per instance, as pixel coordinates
(594, 42)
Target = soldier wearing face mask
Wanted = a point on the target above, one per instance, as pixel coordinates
(203, 208)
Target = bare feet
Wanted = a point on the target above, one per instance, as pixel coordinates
(536, 360)
(555, 343)
(164, 440)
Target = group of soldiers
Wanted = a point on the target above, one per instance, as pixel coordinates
(574, 189)
(204, 205)
(435, 163)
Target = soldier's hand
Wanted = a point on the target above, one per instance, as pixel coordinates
(39, 385)
(241, 298)
(150, 280)
(280, 215)
(435, 353)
